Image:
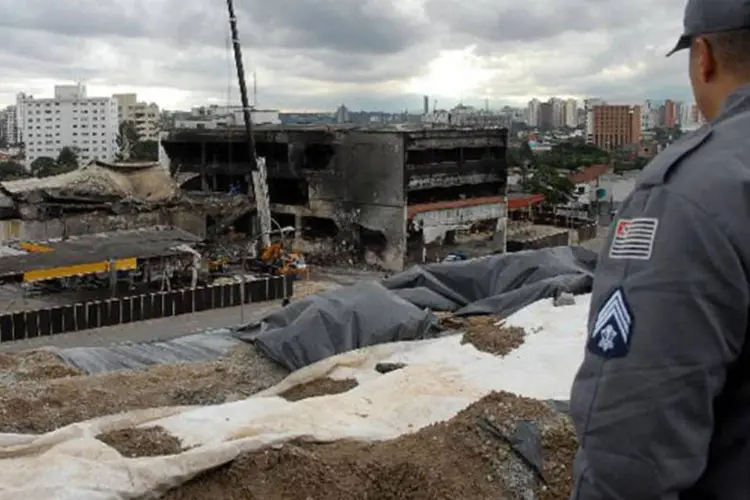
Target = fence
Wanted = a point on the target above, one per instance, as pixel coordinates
(587, 232)
(119, 311)
(550, 240)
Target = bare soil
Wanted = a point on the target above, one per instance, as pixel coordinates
(320, 387)
(450, 460)
(34, 365)
(483, 333)
(142, 442)
(33, 399)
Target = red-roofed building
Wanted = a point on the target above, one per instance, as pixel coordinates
(587, 182)
(589, 174)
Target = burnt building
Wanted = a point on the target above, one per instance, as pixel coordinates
(372, 192)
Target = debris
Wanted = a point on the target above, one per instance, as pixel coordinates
(388, 367)
(34, 366)
(483, 333)
(142, 442)
(320, 387)
(446, 461)
(564, 299)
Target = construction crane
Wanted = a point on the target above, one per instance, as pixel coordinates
(271, 256)
(258, 178)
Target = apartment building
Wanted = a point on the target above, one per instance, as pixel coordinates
(146, 117)
(670, 114)
(571, 113)
(588, 108)
(69, 119)
(534, 113)
(616, 126)
(8, 126)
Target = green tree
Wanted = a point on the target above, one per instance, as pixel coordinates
(554, 185)
(127, 138)
(47, 167)
(67, 157)
(145, 151)
(43, 166)
(526, 152)
(10, 170)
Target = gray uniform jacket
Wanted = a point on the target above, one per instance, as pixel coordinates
(661, 403)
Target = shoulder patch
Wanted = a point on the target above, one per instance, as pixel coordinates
(611, 332)
(633, 238)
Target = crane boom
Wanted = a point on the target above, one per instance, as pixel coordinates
(257, 165)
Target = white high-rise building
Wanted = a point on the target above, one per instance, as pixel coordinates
(534, 113)
(558, 112)
(89, 125)
(571, 113)
(651, 114)
(588, 105)
(684, 114)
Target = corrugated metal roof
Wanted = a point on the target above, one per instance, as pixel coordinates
(140, 244)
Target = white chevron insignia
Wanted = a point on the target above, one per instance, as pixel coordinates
(613, 319)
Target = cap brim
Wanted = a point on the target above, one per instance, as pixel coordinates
(683, 43)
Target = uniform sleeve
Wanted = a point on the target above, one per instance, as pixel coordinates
(668, 315)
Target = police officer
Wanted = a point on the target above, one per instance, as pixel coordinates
(661, 404)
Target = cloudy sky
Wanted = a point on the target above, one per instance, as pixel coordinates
(368, 54)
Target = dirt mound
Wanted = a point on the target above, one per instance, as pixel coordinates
(483, 333)
(145, 442)
(320, 387)
(34, 365)
(454, 459)
(36, 406)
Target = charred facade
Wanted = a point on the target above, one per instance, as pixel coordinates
(359, 190)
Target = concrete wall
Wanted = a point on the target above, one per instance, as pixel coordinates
(78, 225)
(436, 223)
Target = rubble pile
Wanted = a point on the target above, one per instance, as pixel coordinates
(466, 457)
(483, 333)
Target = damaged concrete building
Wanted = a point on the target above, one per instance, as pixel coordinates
(98, 197)
(377, 195)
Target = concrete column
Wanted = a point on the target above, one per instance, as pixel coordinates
(112, 277)
(297, 230)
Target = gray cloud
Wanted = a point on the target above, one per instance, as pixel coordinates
(318, 53)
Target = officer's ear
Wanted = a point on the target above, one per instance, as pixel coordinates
(702, 61)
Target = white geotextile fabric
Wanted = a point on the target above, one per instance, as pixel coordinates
(442, 377)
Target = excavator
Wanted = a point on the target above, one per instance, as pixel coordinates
(273, 257)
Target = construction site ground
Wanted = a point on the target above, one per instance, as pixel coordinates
(459, 458)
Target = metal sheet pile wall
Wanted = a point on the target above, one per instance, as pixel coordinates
(96, 314)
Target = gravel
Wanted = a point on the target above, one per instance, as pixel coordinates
(142, 442)
(446, 461)
(320, 387)
(42, 405)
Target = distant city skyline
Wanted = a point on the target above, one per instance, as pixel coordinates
(375, 55)
(408, 102)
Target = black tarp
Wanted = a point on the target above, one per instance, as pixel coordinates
(496, 284)
(365, 314)
(191, 348)
(336, 321)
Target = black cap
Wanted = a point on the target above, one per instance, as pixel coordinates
(712, 16)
